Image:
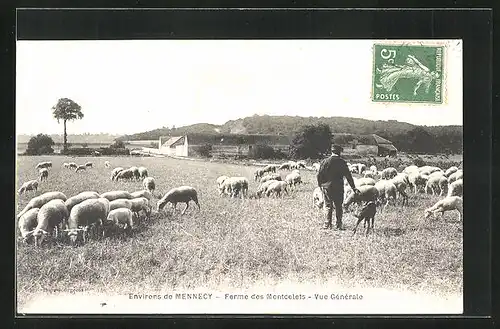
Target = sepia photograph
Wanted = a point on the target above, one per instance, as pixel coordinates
(247, 176)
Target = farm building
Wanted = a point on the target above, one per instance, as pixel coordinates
(374, 145)
(229, 145)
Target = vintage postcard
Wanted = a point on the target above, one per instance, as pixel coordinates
(239, 176)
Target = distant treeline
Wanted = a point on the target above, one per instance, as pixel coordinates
(405, 137)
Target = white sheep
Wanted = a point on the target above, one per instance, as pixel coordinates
(39, 201)
(277, 188)
(89, 164)
(417, 180)
(80, 197)
(386, 190)
(263, 187)
(72, 165)
(142, 194)
(259, 173)
(143, 172)
(46, 164)
(149, 184)
(443, 185)
(271, 168)
(401, 182)
(27, 223)
(433, 185)
(115, 172)
(65, 165)
(139, 204)
(288, 165)
(410, 169)
(447, 204)
(318, 198)
(81, 168)
(220, 181)
(113, 195)
(357, 182)
(119, 217)
(270, 177)
(293, 179)
(456, 188)
(361, 168)
(85, 215)
(366, 193)
(43, 174)
(179, 194)
(235, 186)
(126, 174)
(120, 203)
(388, 173)
(450, 171)
(369, 174)
(459, 174)
(31, 185)
(301, 164)
(107, 164)
(51, 215)
(315, 166)
(373, 169)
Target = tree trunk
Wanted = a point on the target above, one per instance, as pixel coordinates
(65, 136)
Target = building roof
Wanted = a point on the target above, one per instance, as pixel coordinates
(235, 139)
(171, 141)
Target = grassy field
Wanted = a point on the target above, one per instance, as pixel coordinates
(234, 242)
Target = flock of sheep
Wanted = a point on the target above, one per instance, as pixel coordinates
(90, 214)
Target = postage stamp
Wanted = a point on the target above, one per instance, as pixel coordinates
(407, 73)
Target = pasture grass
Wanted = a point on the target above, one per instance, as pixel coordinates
(234, 242)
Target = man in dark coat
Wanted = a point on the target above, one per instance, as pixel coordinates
(331, 173)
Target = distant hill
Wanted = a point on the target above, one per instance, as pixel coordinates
(287, 125)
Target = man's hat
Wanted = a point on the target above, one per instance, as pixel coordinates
(337, 149)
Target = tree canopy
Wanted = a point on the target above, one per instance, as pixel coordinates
(40, 144)
(311, 141)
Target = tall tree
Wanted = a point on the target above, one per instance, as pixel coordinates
(66, 110)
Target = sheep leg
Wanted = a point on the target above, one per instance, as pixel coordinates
(187, 206)
(368, 228)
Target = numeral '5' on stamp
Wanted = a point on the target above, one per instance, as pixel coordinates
(409, 74)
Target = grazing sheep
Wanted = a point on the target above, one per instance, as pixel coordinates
(410, 169)
(258, 173)
(107, 164)
(358, 182)
(235, 186)
(80, 197)
(143, 172)
(427, 170)
(142, 194)
(318, 198)
(293, 179)
(443, 185)
(126, 174)
(386, 190)
(450, 171)
(120, 203)
(50, 216)
(31, 185)
(459, 174)
(65, 165)
(89, 164)
(315, 166)
(149, 184)
(271, 168)
(87, 214)
(43, 174)
(263, 187)
(113, 195)
(367, 212)
(288, 165)
(417, 180)
(27, 223)
(360, 168)
(456, 188)
(369, 174)
(119, 217)
(366, 193)
(135, 172)
(81, 168)
(388, 173)
(139, 204)
(115, 172)
(72, 165)
(46, 164)
(220, 181)
(433, 185)
(39, 201)
(270, 177)
(447, 204)
(301, 164)
(401, 182)
(179, 194)
(373, 169)
(277, 188)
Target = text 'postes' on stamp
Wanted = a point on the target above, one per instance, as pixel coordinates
(407, 74)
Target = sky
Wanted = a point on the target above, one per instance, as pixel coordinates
(132, 86)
